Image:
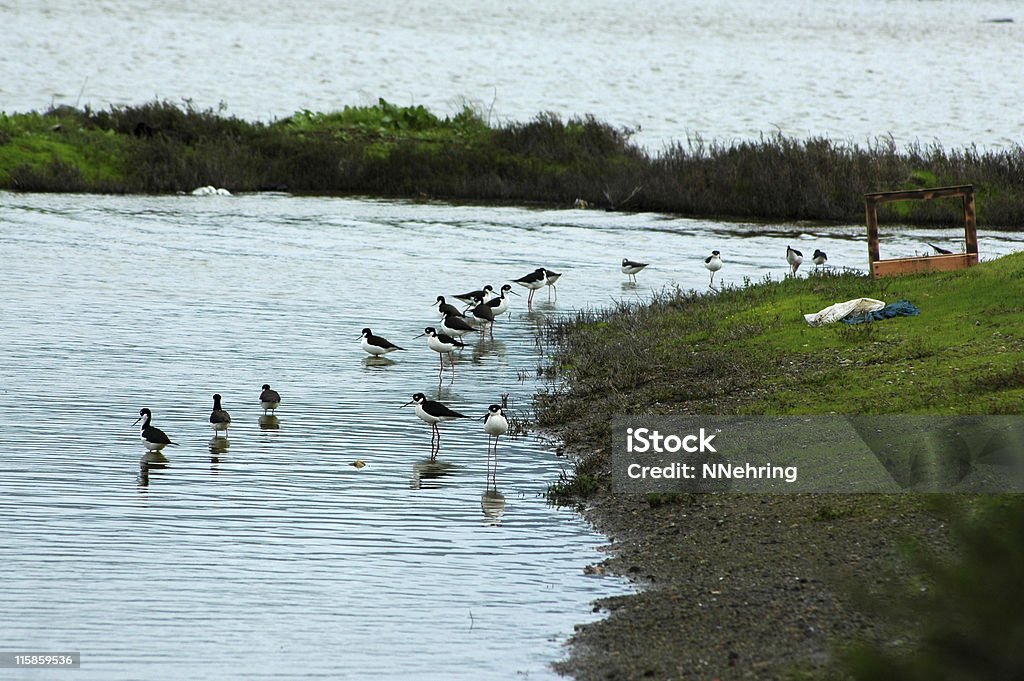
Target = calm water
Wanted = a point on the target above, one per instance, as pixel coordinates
(936, 70)
(274, 558)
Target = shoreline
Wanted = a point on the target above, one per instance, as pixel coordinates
(746, 586)
(739, 586)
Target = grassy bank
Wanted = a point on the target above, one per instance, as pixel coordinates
(745, 586)
(388, 150)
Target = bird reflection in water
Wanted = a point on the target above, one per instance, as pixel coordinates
(218, 446)
(269, 422)
(427, 473)
(489, 348)
(492, 503)
(150, 461)
(372, 362)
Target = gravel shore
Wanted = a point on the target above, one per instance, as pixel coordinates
(738, 586)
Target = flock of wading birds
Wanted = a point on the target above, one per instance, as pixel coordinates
(481, 309)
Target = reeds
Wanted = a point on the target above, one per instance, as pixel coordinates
(388, 150)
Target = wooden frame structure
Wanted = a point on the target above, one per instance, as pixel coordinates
(952, 261)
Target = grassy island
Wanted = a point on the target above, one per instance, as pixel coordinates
(407, 151)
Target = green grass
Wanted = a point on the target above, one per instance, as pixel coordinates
(749, 351)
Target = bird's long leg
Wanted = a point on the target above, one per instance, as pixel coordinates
(488, 475)
(494, 470)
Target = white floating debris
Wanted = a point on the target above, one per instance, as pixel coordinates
(210, 190)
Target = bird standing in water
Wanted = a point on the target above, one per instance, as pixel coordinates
(433, 413)
(495, 425)
(631, 267)
(269, 399)
(447, 309)
(819, 258)
(154, 438)
(219, 419)
(442, 344)
(376, 345)
(533, 281)
(552, 279)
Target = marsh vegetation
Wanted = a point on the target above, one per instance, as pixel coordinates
(407, 151)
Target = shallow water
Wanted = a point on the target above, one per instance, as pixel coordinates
(941, 71)
(269, 555)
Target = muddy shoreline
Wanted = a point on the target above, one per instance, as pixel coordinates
(740, 586)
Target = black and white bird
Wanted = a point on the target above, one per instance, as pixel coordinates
(154, 438)
(819, 258)
(533, 281)
(433, 413)
(270, 400)
(457, 327)
(631, 267)
(499, 304)
(442, 344)
(551, 281)
(941, 251)
(481, 310)
(486, 292)
(794, 258)
(713, 263)
(447, 309)
(219, 419)
(376, 345)
(495, 425)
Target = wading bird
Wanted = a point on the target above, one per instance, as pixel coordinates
(219, 419)
(631, 267)
(794, 258)
(495, 425)
(457, 327)
(486, 292)
(713, 263)
(533, 281)
(551, 281)
(433, 413)
(154, 438)
(269, 399)
(447, 309)
(377, 346)
(819, 258)
(481, 310)
(499, 304)
(442, 344)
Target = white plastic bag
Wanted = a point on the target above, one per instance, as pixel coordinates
(833, 313)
